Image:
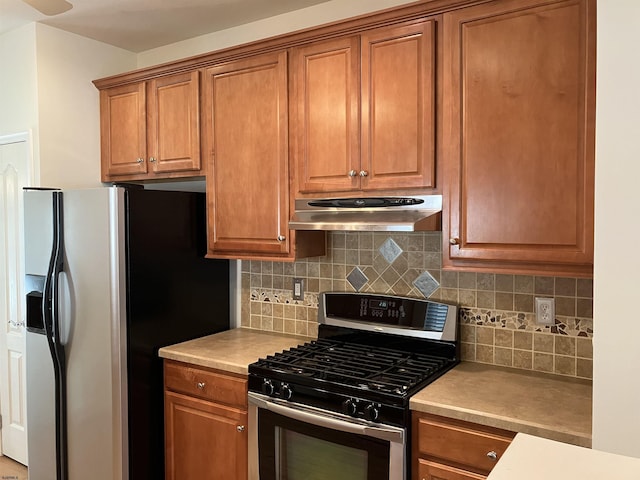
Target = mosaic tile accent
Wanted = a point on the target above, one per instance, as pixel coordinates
(578, 327)
(497, 319)
(390, 250)
(357, 279)
(426, 284)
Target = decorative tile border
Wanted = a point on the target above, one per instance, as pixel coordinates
(578, 327)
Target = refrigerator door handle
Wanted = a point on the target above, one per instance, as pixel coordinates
(51, 322)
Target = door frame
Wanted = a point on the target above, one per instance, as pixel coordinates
(24, 178)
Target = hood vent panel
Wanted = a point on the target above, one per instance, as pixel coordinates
(381, 214)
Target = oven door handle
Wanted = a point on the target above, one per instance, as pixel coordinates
(323, 418)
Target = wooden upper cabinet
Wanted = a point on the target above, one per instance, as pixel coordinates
(519, 115)
(398, 105)
(245, 140)
(326, 114)
(151, 129)
(123, 124)
(174, 122)
(363, 109)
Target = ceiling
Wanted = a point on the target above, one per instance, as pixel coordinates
(139, 25)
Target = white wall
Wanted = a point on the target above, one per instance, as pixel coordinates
(45, 88)
(616, 372)
(288, 22)
(18, 85)
(68, 104)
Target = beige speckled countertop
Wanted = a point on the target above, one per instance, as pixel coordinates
(549, 406)
(232, 350)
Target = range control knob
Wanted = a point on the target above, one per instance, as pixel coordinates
(371, 412)
(285, 391)
(267, 387)
(349, 407)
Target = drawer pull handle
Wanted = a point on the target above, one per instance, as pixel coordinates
(240, 428)
(200, 385)
(492, 455)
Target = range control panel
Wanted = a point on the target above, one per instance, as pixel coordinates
(387, 310)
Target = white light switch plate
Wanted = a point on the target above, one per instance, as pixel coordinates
(298, 289)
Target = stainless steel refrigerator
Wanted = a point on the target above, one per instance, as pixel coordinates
(113, 274)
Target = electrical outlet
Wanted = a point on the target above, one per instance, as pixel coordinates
(545, 311)
(298, 288)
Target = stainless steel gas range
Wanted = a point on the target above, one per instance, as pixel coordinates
(337, 408)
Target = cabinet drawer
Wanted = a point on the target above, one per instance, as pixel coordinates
(438, 471)
(205, 383)
(461, 443)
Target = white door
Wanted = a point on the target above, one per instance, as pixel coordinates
(14, 174)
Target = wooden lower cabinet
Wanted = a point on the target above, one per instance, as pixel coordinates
(205, 424)
(447, 449)
(438, 471)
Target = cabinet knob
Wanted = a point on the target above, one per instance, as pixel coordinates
(352, 173)
(364, 173)
(139, 160)
(281, 238)
(152, 159)
(492, 455)
(200, 385)
(454, 241)
(240, 428)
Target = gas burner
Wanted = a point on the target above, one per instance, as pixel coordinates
(298, 371)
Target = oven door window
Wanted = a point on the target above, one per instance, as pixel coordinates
(293, 450)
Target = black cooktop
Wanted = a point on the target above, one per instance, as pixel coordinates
(363, 369)
(372, 350)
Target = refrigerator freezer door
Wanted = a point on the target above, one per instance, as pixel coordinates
(41, 433)
(41, 440)
(38, 228)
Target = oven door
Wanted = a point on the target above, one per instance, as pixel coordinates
(289, 441)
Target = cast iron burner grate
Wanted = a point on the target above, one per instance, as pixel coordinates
(356, 366)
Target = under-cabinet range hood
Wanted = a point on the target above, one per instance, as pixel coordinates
(382, 214)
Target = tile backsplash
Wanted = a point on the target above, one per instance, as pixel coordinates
(497, 319)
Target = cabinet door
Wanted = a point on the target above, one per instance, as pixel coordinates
(203, 440)
(123, 130)
(246, 145)
(437, 471)
(398, 102)
(326, 113)
(174, 122)
(519, 90)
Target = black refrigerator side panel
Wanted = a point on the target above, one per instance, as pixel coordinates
(174, 294)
